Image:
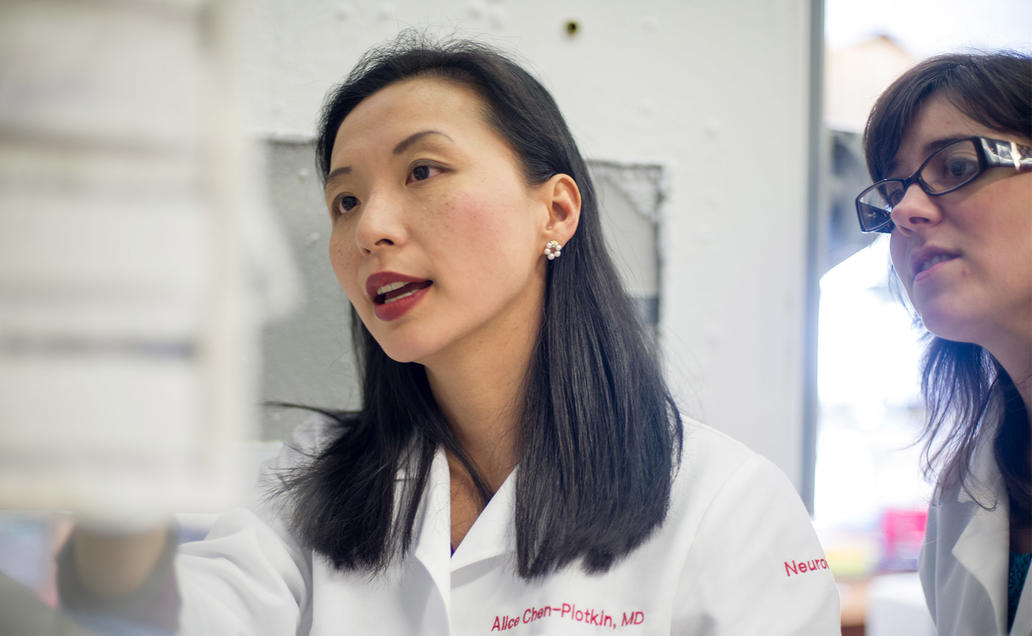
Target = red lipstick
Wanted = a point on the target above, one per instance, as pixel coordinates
(394, 294)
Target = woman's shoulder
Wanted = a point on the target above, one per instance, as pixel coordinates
(978, 482)
(719, 473)
(711, 455)
(700, 436)
(743, 529)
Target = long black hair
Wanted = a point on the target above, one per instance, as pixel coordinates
(599, 435)
(962, 382)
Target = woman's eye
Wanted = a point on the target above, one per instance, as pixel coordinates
(954, 165)
(422, 172)
(961, 167)
(343, 204)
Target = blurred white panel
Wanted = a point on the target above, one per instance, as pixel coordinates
(127, 337)
(103, 72)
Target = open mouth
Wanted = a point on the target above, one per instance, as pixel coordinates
(397, 290)
(933, 261)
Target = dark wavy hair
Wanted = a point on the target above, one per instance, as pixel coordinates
(962, 382)
(599, 436)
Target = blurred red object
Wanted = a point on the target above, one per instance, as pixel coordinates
(902, 532)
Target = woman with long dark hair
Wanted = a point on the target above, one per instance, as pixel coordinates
(518, 462)
(950, 147)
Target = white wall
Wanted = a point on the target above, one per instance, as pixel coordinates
(717, 92)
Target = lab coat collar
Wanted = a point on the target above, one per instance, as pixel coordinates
(493, 532)
(986, 483)
(1024, 614)
(432, 528)
(491, 535)
(982, 547)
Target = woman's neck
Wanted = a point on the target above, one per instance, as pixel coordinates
(1015, 356)
(481, 397)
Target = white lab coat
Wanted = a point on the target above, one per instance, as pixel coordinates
(964, 559)
(736, 556)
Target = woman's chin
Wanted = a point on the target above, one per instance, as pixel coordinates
(950, 325)
(396, 345)
(399, 354)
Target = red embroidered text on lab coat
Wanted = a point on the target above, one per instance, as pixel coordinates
(569, 611)
(803, 567)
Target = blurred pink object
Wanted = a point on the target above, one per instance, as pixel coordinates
(903, 531)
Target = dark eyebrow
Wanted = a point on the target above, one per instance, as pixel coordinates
(928, 149)
(398, 149)
(339, 172)
(414, 137)
(932, 146)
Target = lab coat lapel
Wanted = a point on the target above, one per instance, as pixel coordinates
(493, 533)
(982, 547)
(1024, 615)
(432, 530)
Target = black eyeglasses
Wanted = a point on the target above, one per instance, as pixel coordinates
(949, 168)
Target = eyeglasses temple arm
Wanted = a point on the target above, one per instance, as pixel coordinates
(1009, 152)
(1021, 155)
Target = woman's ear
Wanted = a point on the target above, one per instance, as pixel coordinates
(563, 199)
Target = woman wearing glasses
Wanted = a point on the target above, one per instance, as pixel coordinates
(950, 147)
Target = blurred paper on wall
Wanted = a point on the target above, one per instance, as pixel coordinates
(127, 300)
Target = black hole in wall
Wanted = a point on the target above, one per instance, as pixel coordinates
(572, 28)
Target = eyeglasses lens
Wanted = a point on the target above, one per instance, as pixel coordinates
(945, 170)
(951, 167)
(875, 205)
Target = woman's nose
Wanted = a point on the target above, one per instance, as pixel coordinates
(380, 224)
(915, 210)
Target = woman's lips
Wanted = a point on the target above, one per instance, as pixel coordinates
(925, 264)
(935, 260)
(395, 294)
(392, 292)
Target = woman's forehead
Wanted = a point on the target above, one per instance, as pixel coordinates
(410, 102)
(937, 119)
(395, 112)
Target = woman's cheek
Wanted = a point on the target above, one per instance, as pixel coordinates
(343, 268)
(897, 251)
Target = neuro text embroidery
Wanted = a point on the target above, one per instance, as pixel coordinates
(802, 567)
